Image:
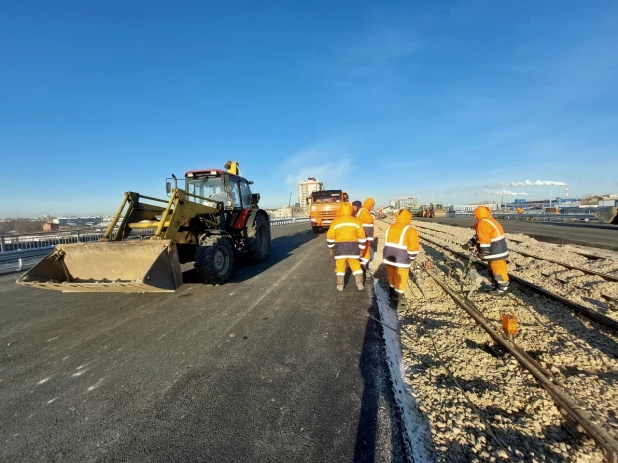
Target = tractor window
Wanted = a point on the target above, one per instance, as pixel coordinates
(235, 192)
(245, 195)
(207, 187)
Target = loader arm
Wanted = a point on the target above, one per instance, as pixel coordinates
(117, 264)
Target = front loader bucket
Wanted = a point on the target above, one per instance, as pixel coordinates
(111, 266)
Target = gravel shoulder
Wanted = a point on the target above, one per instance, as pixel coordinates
(481, 405)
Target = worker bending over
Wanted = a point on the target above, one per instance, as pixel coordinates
(345, 238)
(401, 247)
(491, 247)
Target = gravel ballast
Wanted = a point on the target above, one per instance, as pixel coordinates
(479, 403)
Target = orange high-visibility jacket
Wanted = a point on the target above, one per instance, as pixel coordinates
(346, 234)
(367, 218)
(489, 236)
(401, 243)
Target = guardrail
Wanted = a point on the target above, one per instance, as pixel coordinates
(537, 217)
(17, 261)
(26, 251)
(275, 222)
(10, 243)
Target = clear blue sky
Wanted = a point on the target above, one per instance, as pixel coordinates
(444, 99)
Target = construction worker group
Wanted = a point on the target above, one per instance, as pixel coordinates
(350, 239)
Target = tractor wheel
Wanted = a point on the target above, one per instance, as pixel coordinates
(316, 230)
(214, 260)
(258, 244)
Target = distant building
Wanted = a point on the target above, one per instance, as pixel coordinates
(305, 189)
(469, 208)
(78, 220)
(405, 202)
(48, 227)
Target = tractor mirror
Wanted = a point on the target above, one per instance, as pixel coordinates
(168, 187)
(250, 182)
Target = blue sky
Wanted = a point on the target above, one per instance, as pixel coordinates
(445, 99)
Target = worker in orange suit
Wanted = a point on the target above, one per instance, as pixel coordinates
(401, 247)
(366, 215)
(345, 238)
(490, 243)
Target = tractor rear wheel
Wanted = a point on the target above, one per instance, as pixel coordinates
(214, 260)
(258, 244)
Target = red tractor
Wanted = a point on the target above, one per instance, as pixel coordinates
(212, 221)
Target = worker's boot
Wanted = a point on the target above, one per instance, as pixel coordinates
(360, 281)
(340, 282)
(502, 289)
(394, 298)
(401, 302)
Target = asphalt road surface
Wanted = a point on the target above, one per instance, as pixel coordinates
(602, 236)
(273, 366)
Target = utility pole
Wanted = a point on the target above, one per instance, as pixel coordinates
(290, 200)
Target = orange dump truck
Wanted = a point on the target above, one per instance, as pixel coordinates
(323, 207)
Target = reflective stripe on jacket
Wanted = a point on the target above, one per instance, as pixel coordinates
(490, 238)
(366, 220)
(346, 234)
(401, 245)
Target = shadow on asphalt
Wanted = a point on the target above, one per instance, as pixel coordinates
(378, 403)
(281, 249)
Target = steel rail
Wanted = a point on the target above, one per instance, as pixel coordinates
(587, 312)
(569, 404)
(605, 276)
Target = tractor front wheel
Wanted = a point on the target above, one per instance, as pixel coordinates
(214, 260)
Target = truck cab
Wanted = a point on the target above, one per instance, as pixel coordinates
(323, 207)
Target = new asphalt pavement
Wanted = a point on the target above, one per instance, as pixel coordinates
(274, 366)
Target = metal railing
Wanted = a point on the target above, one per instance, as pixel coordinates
(20, 253)
(530, 216)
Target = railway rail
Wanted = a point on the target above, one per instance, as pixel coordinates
(571, 406)
(578, 308)
(568, 357)
(604, 275)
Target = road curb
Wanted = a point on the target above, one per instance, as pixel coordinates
(416, 435)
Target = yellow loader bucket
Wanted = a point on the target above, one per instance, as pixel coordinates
(112, 266)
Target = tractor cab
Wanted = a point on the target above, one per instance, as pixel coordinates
(220, 189)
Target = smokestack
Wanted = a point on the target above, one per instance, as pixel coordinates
(566, 191)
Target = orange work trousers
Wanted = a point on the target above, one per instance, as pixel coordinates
(365, 256)
(397, 277)
(500, 270)
(353, 263)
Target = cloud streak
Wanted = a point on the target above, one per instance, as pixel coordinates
(502, 192)
(529, 183)
(327, 163)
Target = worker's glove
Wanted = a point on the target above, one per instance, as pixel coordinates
(332, 251)
(469, 245)
(482, 252)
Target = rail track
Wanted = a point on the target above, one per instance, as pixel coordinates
(603, 275)
(589, 291)
(578, 308)
(574, 361)
(573, 407)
